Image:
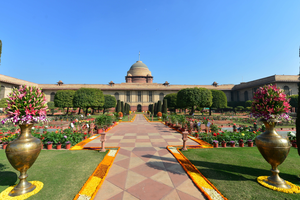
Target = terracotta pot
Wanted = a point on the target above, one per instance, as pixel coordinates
(250, 144)
(58, 146)
(223, 144)
(99, 131)
(241, 144)
(68, 146)
(294, 144)
(232, 144)
(85, 137)
(49, 146)
(216, 145)
(4, 146)
(196, 135)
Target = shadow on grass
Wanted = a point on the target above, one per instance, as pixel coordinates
(220, 171)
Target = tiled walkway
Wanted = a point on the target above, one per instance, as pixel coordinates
(143, 168)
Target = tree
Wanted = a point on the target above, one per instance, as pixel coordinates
(165, 106)
(64, 99)
(3, 103)
(219, 100)
(155, 108)
(122, 107)
(118, 107)
(298, 120)
(88, 98)
(51, 106)
(159, 108)
(294, 100)
(171, 101)
(110, 102)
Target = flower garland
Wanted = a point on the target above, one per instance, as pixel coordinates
(81, 144)
(4, 194)
(93, 184)
(293, 189)
(204, 185)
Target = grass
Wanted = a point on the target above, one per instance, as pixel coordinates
(62, 172)
(234, 171)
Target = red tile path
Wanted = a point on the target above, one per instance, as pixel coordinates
(143, 168)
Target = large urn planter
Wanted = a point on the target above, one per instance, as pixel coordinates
(22, 153)
(274, 149)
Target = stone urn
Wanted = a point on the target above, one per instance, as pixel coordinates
(274, 149)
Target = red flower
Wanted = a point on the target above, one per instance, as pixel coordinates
(204, 118)
(84, 133)
(218, 133)
(214, 134)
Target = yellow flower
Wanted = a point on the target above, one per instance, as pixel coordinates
(243, 134)
(90, 188)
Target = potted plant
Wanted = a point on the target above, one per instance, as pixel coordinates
(49, 145)
(241, 143)
(68, 145)
(58, 145)
(216, 143)
(159, 115)
(292, 138)
(234, 127)
(196, 134)
(223, 143)
(120, 116)
(250, 143)
(232, 143)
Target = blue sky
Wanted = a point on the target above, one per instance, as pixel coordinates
(182, 42)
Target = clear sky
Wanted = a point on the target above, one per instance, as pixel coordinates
(182, 42)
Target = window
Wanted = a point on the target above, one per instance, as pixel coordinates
(139, 96)
(150, 96)
(117, 96)
(246, 96)
(52, 96)
(161, 96)
(128, 96)
(286, 90)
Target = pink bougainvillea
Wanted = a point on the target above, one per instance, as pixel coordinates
(270, 102)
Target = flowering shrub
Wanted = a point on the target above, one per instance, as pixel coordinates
(120, 114)
(270, 102)
(26, 105)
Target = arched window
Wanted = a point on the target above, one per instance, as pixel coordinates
(2, 92)
(139, 96)
(286, 90)
(117, 96)
(150, 96)
(161, 96)
(52, 96)
(128, 96)
(246, 96)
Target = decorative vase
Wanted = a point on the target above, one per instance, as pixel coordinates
(22, 153)
(274, 149)
(58, 146)
(250, 144)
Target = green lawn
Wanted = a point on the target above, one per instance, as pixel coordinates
(62, 172)
(234, 171)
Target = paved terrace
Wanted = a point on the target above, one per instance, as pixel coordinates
(144, 168)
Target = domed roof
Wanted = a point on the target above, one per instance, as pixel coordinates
(139, 69)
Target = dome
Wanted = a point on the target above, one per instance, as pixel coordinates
(139, 69)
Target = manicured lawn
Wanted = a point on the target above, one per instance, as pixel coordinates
(234, 171)
(62, 172)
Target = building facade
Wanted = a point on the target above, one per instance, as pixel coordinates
(139, 90)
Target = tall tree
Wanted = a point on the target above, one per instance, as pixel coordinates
(118, 107)
(165, 106)
(219, 100)
(298, 121)
(122, 107)
(64, 99)
(88, 98)
(110, 102)
(171, 101)
(159, 107)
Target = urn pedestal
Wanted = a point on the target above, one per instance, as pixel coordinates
(22, 153)
(274, 149)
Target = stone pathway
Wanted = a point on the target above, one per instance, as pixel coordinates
(144, 168)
